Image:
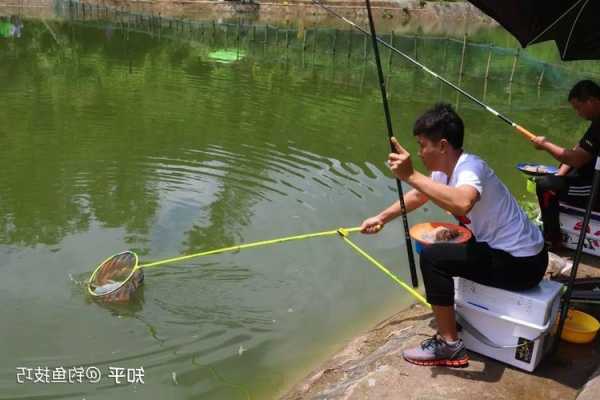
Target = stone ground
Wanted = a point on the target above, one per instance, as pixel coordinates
(371, 366)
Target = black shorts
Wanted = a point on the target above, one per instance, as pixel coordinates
(478, 262)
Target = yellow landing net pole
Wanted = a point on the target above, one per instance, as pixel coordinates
(248, 246)
(343, 232)
(344, 235)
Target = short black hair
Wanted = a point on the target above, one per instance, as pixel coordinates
(583, 90)
(441, 122)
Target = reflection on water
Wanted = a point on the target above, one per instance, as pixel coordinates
(226, 56)
(114, 138)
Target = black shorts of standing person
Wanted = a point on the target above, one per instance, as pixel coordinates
(572, 183)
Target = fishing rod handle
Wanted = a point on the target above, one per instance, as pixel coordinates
(527, 134)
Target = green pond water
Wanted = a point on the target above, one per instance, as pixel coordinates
(114, 140)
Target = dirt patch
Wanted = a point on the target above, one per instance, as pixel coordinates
(443, 18)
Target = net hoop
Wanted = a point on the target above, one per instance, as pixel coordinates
(123, 283)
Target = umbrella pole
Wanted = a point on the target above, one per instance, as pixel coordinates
(578, 252)
(388, 119)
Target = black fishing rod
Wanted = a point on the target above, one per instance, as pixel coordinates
(527, 134)
(388, 119)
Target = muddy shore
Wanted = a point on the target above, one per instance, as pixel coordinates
(432, 18)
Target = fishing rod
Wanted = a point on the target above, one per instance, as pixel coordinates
(388, 120)
(527, 134)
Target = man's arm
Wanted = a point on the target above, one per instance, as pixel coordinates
(576, 157)
(412, 200)
(563, 170)
(458, 200)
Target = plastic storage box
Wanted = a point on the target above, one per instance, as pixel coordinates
(571, 220)
(517, 323)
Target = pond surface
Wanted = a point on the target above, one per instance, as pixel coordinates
(114, 140)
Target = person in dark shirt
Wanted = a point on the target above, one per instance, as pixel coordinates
(572, 183)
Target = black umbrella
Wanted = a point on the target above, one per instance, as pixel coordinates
(574, 27)
(572, 24)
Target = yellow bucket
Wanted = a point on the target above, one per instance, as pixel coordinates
(579, 327)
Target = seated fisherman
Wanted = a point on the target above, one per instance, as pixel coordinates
(507, 251)
(572, 183)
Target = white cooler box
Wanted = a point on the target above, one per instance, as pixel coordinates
(516, 322)
(571, 219)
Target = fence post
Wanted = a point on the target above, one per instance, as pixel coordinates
(315, 46)
(350, 43)
(304, 34)
(416, 53)
(489, 61)
(443, 67)
(541, 75)
(514, 66)
(462, 58)
(391, 52)
(487, 71)
(238, 39)
(128, 24)
(334, 41)
(462, 65)
(389, 86)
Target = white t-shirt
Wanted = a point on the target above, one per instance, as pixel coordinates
(496, 218)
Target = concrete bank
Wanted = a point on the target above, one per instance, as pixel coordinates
(591, 390)
(371, 366)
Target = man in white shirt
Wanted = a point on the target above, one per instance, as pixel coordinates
(506, 251)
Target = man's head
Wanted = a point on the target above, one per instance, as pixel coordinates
(440, 133)
(585, 99)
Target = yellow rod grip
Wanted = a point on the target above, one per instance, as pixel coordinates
(527, 134)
